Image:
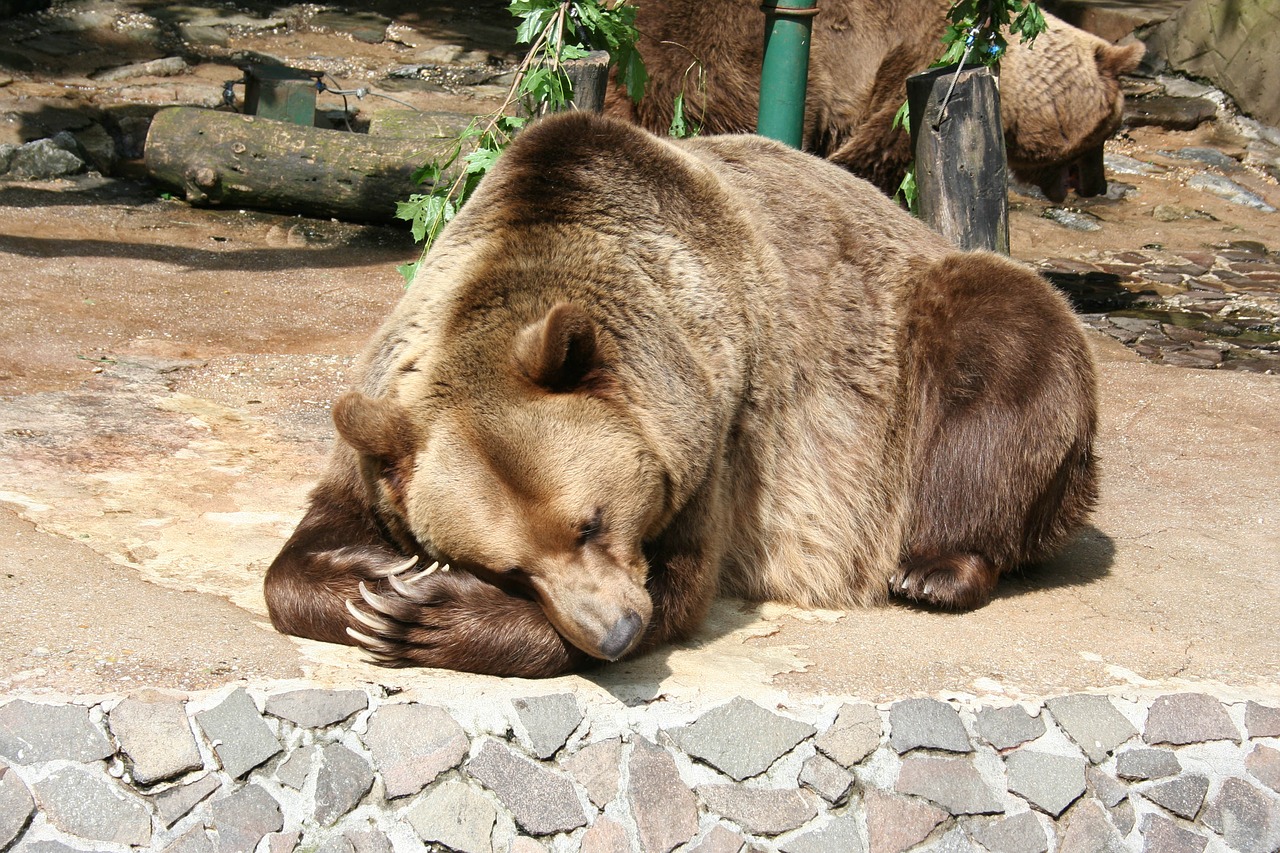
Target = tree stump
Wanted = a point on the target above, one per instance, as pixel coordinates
(961, 179)
(590, 78)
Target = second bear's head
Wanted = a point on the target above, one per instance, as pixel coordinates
(537, 478)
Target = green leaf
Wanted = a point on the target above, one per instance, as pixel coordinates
(481, 160)
(678, 128)
(408, 271)
(902, 118)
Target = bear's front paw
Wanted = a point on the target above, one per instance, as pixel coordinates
(454, 620)
(951, 581)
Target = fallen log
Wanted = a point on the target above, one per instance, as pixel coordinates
(231, 160)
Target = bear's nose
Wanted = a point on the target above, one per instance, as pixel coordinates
(621, 635)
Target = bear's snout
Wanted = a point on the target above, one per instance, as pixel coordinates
(622, 635)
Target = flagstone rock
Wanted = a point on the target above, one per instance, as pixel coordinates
(1246, 818)
(548, 721)
(1090, 831)
(1092, 722)
(241, 739)
(606, 835)
(955, 841)
(1005, 728)
(1183, 718)
(1144, 764)
(953, 783)
(1021, 833)
(1182, 796)
(91, 806)
(1049, 782)
(720, 839)
(1108, 791)
(244, 817)
(173, 804)
(16, 806)
(456, 815)
(32, 733)
(343, 780)
(542, 802)
(927, 723)
(156, 735)
(369, 841)
(719, 738)
(1261, 720)
(841, 834)
(293, 771)
(664, 809)
(316, 709)
(597, 767)
(412, 744)
(1264, 765)
(853, 736)
(761, 811)
(196, 840)
(831, 781)
(897, 823)
(1162, 835)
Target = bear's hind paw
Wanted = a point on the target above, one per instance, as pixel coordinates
(951, 581)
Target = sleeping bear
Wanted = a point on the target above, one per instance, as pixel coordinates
(635, 373)
(1060, 97)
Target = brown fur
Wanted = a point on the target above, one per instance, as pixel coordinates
(633, 373)
(1060, 97)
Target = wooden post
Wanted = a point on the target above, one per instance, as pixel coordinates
(961, 180)
(590, 78)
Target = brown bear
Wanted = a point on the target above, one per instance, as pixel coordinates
(635, 372)
(1060, 97)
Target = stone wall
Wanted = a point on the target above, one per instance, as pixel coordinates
(357, 771)
(1233, 43)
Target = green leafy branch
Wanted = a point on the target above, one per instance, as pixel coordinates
(975, 35)
(557, 31)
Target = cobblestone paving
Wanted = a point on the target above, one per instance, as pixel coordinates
(357, 771)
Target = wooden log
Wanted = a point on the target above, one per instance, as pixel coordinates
(590, 78)
(961, 179)
(419, 124)
(231, 160)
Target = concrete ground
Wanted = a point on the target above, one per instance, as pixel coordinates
(166, 376)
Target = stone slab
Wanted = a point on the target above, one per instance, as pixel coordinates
(1005, 728)
(16, 806)
(1182, 796)
(244, 817)
(927, 723)
(761, 811)
(1091, 721)
(156, 735)
(1051, 783)
(1183, 718)
(542, 802)
(314, 708)
(598, 768)
(548, 721)
(853, 736)
(953, 783)
(663, 807)
(717, 738)
(342, 781)
(412, 744)
(241, 739)
(1020, 833)
(1246, 817)
(456, 815)
(93, 806)
(897, 823)
(33, 733)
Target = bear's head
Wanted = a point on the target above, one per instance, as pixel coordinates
(540, 483)
(1060, 99)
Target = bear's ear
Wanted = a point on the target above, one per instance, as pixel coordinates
(1114, 60)
(374, 426)
(562, 351)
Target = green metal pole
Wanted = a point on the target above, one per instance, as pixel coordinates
(784, 74)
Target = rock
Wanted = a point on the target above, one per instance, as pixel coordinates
(1119, 164)
(1106, 790)
(606, 835)
(85, 804)
(548, 721)
(316, 709)
(1092, 722)
(822, 775)
(926, 723)
(1022, 833)
(412, 744)
(1188, 718)
(1144, 764)
(761, 811)
(1005, 728)
(293, 771)
(456, 815)
(1182, 796)
(283, 842)
(1246, 818)
(1076, 220)
(44, 160)
(241, 738)
(1089, 831)
(369, 841)
(1048, 782)
(897, 823)
(1168, 112)
(195, 840)
(853, 736)
(664, 809)
(169, 66)
(173, 804)
(367, 27)
(33, 734)
(1123, 817)
(721, 839)
(244, 818)
(1178, 213)
(1161, 835)
(597, 767)
(16, 806)
(156, 735)
(841, 834)
(953, 783)
(1229, 190)
(542, 802)
(341, 783)
(7, 151)
(1264, 765)
(719, 738)
(1208, 156)
(98, 147)
(440, 54)
(1261, 721)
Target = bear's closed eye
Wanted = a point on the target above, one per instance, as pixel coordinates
(591, 529)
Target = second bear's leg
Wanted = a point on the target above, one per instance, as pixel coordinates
(950, 581)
